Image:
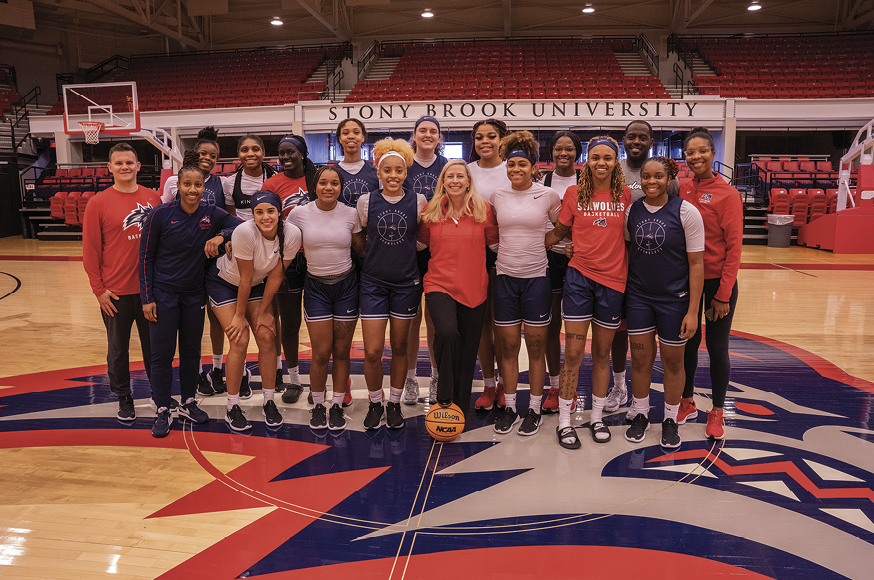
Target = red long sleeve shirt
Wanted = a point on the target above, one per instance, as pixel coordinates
(722, 211)
(458, 257)
(111, 239)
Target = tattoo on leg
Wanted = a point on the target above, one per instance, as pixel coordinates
(572, 336)
(342, 329)
(568, 383)
(637, 345)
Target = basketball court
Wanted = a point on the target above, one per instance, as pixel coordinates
(788, 494)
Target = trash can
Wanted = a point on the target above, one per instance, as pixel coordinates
(779, 230)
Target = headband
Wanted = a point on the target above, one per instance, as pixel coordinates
(299, 144)
(429, 119)
(390, 154)
(519, 153)
(262, 196)
(602, 141)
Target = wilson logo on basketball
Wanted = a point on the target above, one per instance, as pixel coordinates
(446, 415)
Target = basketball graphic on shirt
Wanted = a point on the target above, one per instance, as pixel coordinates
(424, 184)
(352, 190)
(391, 226)
(136, 217)
(650, 235)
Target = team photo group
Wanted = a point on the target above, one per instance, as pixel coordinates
(499, 249)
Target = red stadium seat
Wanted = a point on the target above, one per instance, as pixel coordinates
(80, 205)
(779, 201)
(57, 205)
(71, 209)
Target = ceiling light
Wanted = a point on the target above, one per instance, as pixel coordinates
(427, 13)
(754, 6)
(588, 9)
(276, 21)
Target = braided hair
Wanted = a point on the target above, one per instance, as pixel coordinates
(500, 128)
(280, 232)
(190, 162)
(207, 135)
(586, 187)
(671, 167)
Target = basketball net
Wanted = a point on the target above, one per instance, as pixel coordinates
(92, 130)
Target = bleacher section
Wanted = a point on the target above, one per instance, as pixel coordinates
(7, 101)
(795, 67)
(516, 69)
(222, 80)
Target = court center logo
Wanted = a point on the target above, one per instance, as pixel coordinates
(391, 225)
(650, 235)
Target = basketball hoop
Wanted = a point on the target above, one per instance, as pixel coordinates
(92, 130)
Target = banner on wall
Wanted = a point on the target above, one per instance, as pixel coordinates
(543, 113)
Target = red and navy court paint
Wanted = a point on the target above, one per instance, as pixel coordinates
(788, 495)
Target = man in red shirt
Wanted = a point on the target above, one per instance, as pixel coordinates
(110, 253)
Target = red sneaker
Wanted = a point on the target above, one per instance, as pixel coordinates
(715, 428)
(487, 400)
(688, 410)
(347, 397)
(500, 401)
(550, 405)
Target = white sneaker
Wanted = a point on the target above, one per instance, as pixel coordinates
(411, 391)
(432, 390)
(617, 397)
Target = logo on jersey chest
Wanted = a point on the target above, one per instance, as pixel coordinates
(353, 189)
(706, 198)
(649, 235)
(424, 184)
(205, 223)
(391, 225)
(296, 199)
(136, 217)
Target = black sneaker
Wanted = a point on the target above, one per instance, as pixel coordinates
(245, 388)
(375, 416)
(506, 420)
(394, 419)
(292, 394)
(310, 396)
(204, 387)
(217, 380)
(236, 420)
(670, 434)
(161, 428)
(272, 416)
(280, 386)
(126, 411)
(319, 420)
(193, 413)
(336, 419)
(531, 424)
(639, 426)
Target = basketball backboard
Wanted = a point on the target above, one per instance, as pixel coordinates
(113, 104)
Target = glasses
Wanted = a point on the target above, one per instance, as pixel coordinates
(701, 151)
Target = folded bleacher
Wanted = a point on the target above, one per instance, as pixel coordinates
(515, 69)
(792, 67)
(222, 80)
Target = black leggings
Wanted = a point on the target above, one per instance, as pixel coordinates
(717, 346)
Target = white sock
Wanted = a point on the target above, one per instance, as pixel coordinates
(640, 406)
(216, 361)
(553, 381)
(318, 398)
(411, 374)
(619, 380)
(279, 363)
(671, 411)
(337, 399)
(434, 373)
(534, 403)
(394, 395)
(293, 375)
(510, 401)
(597, 408)
(375, 396)
(268, 394)
(233, 400)
(564, 412)
(489, 382)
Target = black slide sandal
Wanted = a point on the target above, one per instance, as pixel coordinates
(599, 427)
(566, 433)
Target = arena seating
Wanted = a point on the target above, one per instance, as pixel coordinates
(7, 101)
(515, 69)
(220, 80)
(795, 67)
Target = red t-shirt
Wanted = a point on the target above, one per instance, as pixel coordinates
(458, 257)
(598, 234)
(722, 211)
(291, 190)
(111, 238)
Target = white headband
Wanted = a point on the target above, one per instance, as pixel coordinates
(389, 154)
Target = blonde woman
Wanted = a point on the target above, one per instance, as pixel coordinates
(390, 286)
(457, 225)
